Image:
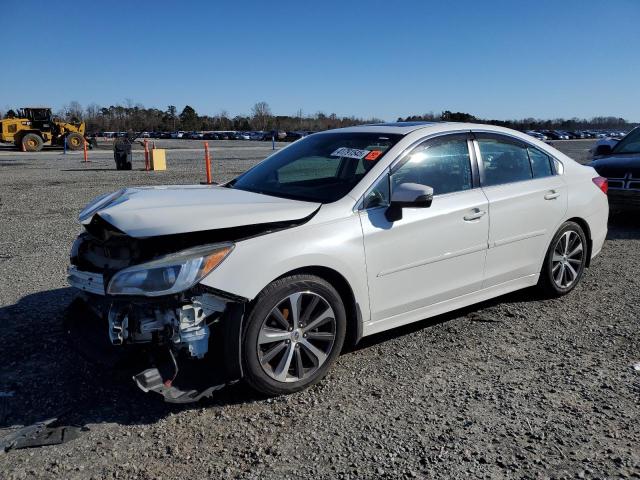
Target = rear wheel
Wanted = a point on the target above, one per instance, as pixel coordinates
(294, 333)
(75, 141)
(565, 261)
(32, 142)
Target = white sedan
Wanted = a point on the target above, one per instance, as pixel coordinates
(341, 235)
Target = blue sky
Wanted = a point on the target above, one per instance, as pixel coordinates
(494, 59)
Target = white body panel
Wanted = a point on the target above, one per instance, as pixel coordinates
(523, 222)
(430, 255)
(430, 262)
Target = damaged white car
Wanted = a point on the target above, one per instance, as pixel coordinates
(340, 235)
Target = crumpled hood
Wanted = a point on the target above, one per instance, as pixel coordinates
(166, 210)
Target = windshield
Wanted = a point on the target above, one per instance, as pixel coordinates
(629, 144)
(318, 168)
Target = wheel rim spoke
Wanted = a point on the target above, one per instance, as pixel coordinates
(298, 364)
(323, 318)
(282, 370)
(270, 335)
(322, 336)
(316, 352)
(272, 352)
(304, 320)
(575, 251)
(571, 272)
(277, 314)
(295, 308)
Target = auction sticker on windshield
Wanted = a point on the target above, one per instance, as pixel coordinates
(345, 152)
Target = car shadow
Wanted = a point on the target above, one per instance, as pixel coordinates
(42, 376)
(624, 226)
(472, 312)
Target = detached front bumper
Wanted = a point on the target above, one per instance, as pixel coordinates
(191, 342)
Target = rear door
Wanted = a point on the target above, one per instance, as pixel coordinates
(527, 200)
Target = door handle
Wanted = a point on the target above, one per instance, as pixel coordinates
(477, 213)
(551, 195)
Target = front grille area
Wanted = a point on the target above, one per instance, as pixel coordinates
(624, 181)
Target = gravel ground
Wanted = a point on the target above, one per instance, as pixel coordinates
(517, 387)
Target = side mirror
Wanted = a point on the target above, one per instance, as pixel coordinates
(408, 195)
(603, 150)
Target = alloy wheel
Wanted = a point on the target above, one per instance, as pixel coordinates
(296, 337)
(567, 259)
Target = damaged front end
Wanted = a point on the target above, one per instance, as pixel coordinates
(191, 336)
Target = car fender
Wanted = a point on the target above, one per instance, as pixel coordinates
(256, 262)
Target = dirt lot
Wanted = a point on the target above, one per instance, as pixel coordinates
(517, 387)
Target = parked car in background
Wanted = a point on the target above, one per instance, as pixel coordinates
(269, 275)
(619, 163)
(537, 135)
(552, 135)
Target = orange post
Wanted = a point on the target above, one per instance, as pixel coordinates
(146, 155)
(23, 147)
(85, 152)
(207, 162)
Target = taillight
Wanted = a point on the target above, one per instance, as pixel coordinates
(602, 183)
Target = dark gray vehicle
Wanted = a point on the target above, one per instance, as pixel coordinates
(620, 165)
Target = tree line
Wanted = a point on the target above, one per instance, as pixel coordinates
(595, 123)
(136, 117)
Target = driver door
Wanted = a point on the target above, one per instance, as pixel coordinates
(431, 254)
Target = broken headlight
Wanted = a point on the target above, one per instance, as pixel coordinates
(169, 274)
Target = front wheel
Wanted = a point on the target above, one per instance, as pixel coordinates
(32, 142)
(565, 261)
(75, 141)
(294, 333)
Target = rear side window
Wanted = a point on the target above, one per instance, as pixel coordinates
(540, 163)
(504, 162)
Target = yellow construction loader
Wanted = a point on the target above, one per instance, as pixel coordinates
(34, 127)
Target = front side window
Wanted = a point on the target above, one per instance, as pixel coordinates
(629, 144)
(318, 168)
(503, 161)
(442, 163)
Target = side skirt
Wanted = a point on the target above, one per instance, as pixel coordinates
(448, 305)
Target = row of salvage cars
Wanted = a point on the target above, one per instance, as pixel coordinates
(340, 235)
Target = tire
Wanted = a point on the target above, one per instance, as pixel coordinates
(278, 359)
(75, 141)
(32, 142)
(565, 260)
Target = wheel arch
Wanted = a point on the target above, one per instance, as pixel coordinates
(340, 283)
(587, 231)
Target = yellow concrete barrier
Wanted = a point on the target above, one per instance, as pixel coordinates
(158, 159)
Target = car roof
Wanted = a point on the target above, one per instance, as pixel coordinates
(405, 128)
(401, 128)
